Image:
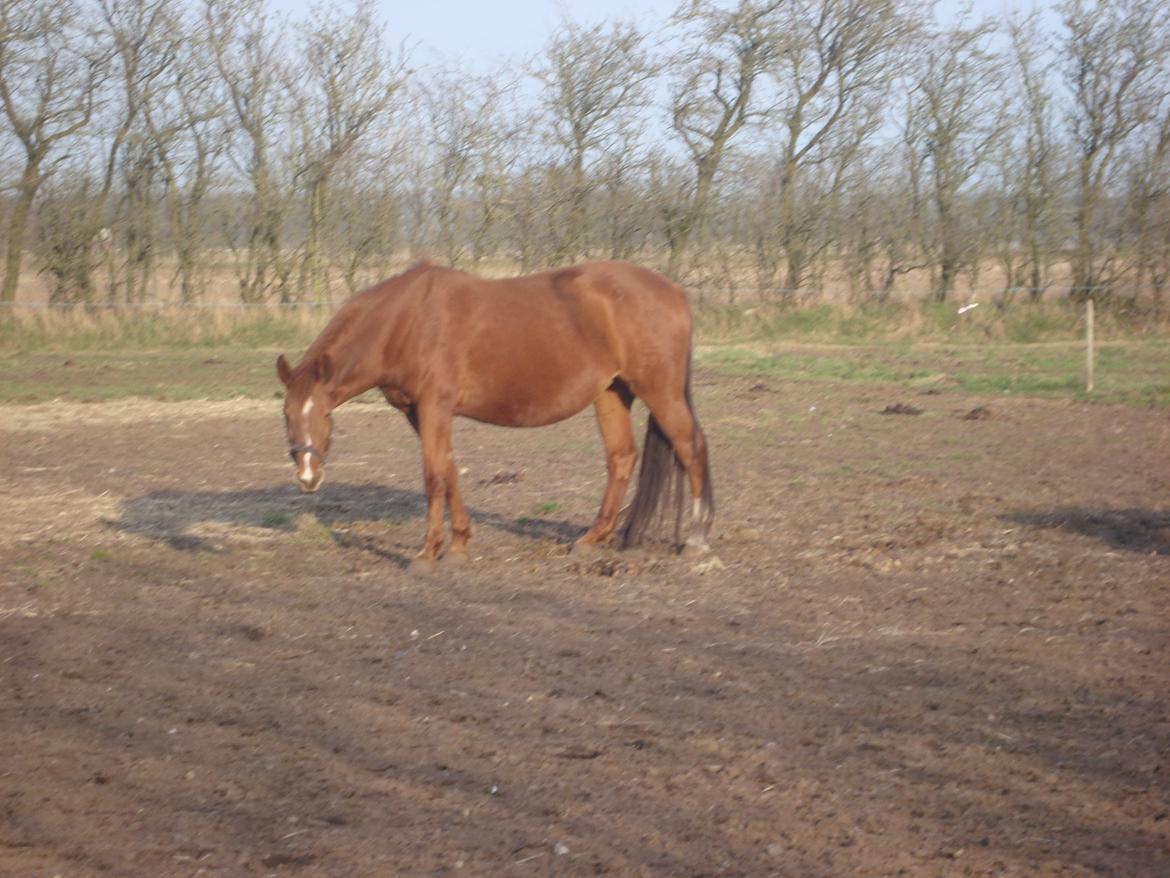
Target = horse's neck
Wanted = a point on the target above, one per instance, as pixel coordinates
(365, 370)
(356, 374)
(353, 380)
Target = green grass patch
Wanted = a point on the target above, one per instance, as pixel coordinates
(169, 375)
(1130, 372)
(916, 321)
(275, 519)
(1025, 349)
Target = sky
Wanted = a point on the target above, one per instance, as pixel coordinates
(479, 35)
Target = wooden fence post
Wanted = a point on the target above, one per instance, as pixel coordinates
(1089, 354)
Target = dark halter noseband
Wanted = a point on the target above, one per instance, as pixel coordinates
(294, 450)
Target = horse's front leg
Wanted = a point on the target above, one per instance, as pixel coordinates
(460, 520)
(434, 432)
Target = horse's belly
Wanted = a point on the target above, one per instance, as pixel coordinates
(530, 398)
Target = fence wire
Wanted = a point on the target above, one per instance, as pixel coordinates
(749, 296)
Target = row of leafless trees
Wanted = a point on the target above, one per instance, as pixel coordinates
(155, 148)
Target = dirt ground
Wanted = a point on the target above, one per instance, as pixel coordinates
(931, 645)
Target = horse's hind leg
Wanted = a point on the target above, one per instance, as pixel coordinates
(613, 418)
(678, 423)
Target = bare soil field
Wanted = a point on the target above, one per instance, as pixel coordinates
(931, 644)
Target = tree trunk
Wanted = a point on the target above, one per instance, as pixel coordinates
(29, 183)
(678, 232)
(313, 285)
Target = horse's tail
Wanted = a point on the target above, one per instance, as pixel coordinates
(662, 482)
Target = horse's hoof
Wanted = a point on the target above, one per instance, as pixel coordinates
(457, 557)
(422, 566)
(583, 548)
(691, 551)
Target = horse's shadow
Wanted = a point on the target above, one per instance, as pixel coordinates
(173, 517)
(1145, 531)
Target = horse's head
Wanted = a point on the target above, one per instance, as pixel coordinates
(307, 404)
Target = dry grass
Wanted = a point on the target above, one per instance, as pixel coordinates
(104, 329)
(727, 276)
(49, 417)
(838, 315)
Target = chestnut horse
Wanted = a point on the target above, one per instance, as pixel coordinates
(520, 352)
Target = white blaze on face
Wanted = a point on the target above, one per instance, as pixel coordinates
(306, 473)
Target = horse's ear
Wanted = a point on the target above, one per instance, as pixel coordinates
(283, 370)
(325, 368)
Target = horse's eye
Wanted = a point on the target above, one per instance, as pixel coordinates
(292, 452)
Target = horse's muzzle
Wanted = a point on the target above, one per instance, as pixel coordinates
(308, 475)
(309, 478)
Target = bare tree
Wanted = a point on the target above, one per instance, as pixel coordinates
(532, 237)
(248, 51)
(184, 119)
(471, 150)
(68, 230)
(834, 71)
(1026, 220)
(74, 235)
(366, 215)
(956, 118)
(144, 46)
(902, 202)
(50, 73)
(595, 79)
(1148, 208)
(497, 161)
(627, 217)
(719, 91)
(349, 80)
(1116, 56)
(878, 218)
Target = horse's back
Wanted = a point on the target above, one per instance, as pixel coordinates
(633, 289)
(595, 297)
(627, 303)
